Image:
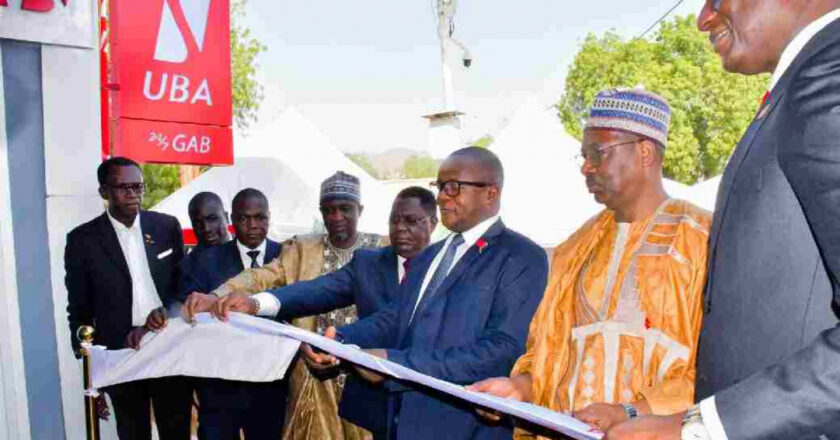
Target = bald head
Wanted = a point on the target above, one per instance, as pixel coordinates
(485, 161)
(469, 188)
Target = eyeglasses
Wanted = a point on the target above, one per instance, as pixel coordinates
(407, 220)
(125, 188)
(452, 188)
(595, 155)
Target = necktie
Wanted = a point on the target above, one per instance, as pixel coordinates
(445, 264)
(253, 255)
(405, 271)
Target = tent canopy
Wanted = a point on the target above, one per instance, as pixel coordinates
(287, 160)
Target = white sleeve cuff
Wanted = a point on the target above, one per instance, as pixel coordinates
(708, 410)
(269, 304)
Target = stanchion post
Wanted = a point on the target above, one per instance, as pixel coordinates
(85, 336)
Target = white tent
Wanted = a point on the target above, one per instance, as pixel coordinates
(545, 196)
(287, 160)
(704, 194)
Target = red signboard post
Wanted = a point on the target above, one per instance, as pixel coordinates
(172, 81)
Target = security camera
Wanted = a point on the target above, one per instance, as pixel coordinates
(467, 60)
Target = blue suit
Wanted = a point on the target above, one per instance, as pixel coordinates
(207, 268)
(473, 327)
(370, 281)
(226, 406)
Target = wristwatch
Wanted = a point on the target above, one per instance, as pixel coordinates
(692, 425)
(630, 410)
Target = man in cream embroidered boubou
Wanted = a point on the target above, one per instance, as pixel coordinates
(616, 332)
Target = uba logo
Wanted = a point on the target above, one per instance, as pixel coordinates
(183, 26)
(36, 5)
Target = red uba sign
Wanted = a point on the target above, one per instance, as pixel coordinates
(172, 60)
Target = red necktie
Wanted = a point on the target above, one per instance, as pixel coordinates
(405, 271)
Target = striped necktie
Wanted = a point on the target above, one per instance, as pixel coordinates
(253, 255)
(444, 266)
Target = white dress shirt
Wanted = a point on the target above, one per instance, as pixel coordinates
(144, 294)
(400, 268)
(243, 253)
(470, 238)
(708, 409)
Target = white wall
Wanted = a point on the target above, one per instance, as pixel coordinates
(70, 78)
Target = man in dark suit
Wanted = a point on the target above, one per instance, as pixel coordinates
(769, 351)
(225, 406)
(463, 312)
(370, 281)
(121, 270)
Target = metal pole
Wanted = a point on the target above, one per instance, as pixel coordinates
(85, 336)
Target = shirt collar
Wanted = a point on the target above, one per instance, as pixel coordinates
(121, 228)
(471, 236)
(798, 43)
(245, 249)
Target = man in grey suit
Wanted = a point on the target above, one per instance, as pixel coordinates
(769, 352)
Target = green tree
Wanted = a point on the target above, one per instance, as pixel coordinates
(711, 108)
(247, 91)
(363, 161)
(483, 142)
(162, 180)
(420, 166)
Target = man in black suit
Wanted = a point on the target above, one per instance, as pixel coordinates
(769, 351)
(121, 270)
(369, 281)
(225, 406)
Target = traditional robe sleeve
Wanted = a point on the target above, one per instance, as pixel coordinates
(674, 391)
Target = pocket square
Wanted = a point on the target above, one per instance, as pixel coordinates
(164, 254)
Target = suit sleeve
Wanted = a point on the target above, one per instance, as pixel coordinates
(377, 330)
(798, 397)
(502, 341)
(321, 295)
(79, 298)
(256, 280)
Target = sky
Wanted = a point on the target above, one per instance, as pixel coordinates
(366, 71)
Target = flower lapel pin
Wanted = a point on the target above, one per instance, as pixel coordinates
(148, 240)
(481, 243)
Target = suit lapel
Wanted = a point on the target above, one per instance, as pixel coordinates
(111, 244)
(149, 232)
(272, 251)
(461, 266)
(413, 284)
(235, 258)
(735, 162)
(389, 263)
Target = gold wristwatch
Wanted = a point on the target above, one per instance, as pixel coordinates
(692, 425)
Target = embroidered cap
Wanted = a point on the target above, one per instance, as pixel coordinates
(631, 110)
(341, 186)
